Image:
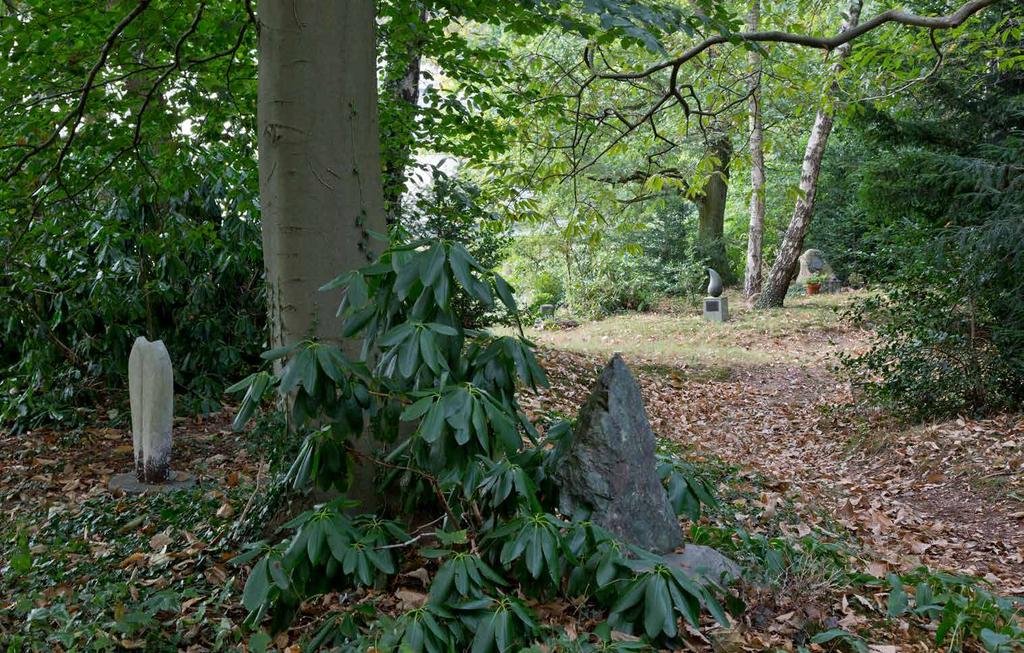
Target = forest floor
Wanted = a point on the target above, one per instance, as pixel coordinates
(763, 395)
(847, 493)
(761, 392)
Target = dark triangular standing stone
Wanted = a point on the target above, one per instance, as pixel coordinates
(608, 468)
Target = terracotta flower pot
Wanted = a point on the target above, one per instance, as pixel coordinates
(813, 288)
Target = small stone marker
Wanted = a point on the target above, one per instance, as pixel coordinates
(716, 307)
(547, 311)
(151, 395)
(608, 471)
(151, 390)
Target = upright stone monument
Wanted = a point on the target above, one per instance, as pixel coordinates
(151, 395)
(151, 392)
(607, 470)
(716, 307)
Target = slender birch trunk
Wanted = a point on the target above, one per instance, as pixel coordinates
(778, 280)
(755, 238)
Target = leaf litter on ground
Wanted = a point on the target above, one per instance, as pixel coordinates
(808, 461)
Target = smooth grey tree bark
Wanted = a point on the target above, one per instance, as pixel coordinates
(755, 238)
(774, 292)
(319, 165)
(319, 157)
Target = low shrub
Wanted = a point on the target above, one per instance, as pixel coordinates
(474, 469)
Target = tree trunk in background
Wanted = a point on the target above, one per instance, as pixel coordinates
(319, 163)
(406, 90)
(779, 279)
(711, 209)
(755, 238)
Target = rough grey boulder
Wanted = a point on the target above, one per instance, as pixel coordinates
(608, 468)
(812, 262)
(700, 561)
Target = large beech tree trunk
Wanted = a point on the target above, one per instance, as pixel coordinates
(778, 280)
(319, 166)
(711, 209)
(755, 237)
(319, 157)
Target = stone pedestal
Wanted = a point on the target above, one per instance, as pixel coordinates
(130, 483)
(716, 309)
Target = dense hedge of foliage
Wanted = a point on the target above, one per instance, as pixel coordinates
(625, 269)
(82, 288)
(131, 211)
(937, 215)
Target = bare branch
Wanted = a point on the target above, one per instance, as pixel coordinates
(252, 15)
(828, 44)
(939, 59)
(643, 176)
(74, 118)
(685, 95)
(175, 65)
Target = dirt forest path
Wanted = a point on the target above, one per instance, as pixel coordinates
(949, 495)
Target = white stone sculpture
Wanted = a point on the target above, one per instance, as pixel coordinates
(151, 394)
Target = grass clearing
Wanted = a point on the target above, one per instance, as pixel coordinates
(803, 332)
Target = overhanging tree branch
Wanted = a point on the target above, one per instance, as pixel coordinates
(178, 63)
(939, 58)
(175, 65)
(828, 44)
(73, 119)
(690, 102)
(252, 15)
(641, 176)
